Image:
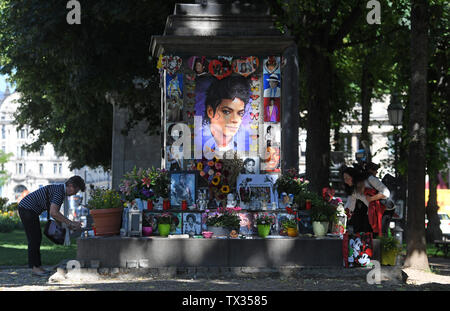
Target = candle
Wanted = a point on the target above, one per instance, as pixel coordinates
(308, 204)
(184, 205)
(149, 205)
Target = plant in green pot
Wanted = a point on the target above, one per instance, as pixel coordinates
(264, 222)
(165, 222)
(322, 214)
(390, 247)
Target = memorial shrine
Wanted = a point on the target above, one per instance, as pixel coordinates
(229, 131)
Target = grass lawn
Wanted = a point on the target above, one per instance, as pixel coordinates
(13, 250)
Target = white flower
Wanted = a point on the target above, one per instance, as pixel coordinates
(263, 222)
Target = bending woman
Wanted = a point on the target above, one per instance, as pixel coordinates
(364, 194)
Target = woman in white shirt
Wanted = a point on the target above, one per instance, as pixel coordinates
(357, 203)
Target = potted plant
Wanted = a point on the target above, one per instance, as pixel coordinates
(290, 225)
(264, 222)
(106, 209)
(165, 221)
(290, 182)
(322, 214)
(390, 247)
(147, 226)
(223, 221)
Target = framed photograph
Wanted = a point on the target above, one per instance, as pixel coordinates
(257, 187)
(149, 219)
(192, 223)
(280, 218)
(182, 187)
(251, 166)
(177, 220)
(247, 224)
(305, 223)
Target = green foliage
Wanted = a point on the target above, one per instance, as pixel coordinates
(145, 184)
(9, 222)
(165, 218)
(289, 223)
(226, 218)
(104, 198)
(389, 243)
(4, 175)
(291, 183)
(265, 219)
(323, 211)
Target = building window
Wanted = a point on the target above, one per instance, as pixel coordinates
(41, 168)
(22, 133)
(55, 168)
(20, 168)
(3, 131)
(41, 151)
(60, 169)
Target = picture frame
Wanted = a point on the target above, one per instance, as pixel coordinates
(183, 186)
(192, 223)
(258, 183)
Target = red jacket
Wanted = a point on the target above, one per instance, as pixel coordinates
(375, 212)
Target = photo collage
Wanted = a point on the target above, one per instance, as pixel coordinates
(218, 106)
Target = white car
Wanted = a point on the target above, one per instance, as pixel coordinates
(445, 223)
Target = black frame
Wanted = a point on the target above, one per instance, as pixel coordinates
(194, 191)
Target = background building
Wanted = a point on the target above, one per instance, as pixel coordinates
(29, 171)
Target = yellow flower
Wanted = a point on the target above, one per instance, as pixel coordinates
(216, 180)
(199, 166)
(225, 189)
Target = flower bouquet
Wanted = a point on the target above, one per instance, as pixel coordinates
(220, 175)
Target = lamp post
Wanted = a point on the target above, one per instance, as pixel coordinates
(395, 114)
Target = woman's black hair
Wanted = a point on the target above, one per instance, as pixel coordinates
(357, 176)
(248, 160)
(227, 88)
(191, 216)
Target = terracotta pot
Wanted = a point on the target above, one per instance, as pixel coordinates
(107, 221)
(292, 232)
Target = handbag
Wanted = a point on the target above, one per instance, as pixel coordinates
(53, 230)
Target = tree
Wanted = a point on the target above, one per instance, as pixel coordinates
(416, 256)
(4, 158)
(437, 111)
(64, 72)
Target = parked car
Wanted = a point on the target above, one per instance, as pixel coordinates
(445, 223)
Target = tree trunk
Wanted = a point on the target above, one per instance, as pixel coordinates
(433, 231)
(318, 75)
(366, 105)
(416, 256)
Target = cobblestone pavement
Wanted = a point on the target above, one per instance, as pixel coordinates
(20, 279)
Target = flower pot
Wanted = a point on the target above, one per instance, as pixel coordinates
(388, 258)
(292, 232)
(263, 230)
(164, 229)
(107, 221)
(147, 231)
(219, 231)
(320, 228)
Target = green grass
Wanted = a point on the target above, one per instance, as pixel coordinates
(13, 250)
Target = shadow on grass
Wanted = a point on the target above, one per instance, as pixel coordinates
(14, 245)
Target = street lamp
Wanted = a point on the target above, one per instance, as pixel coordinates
(395, 111)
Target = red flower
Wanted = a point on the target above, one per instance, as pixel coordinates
(289, 210)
